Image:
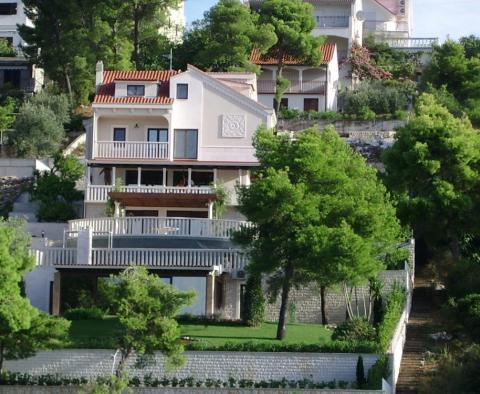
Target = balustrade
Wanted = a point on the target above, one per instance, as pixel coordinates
(132, 150)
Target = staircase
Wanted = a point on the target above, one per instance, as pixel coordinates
(412, 368)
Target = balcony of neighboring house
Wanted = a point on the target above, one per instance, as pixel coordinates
(303, 80)
(410, 43)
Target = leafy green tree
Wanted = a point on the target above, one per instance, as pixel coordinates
(146, 308)
(319, 214)
(433, 168)
(471, 44)
(6, 49)
(37, 132)
(293, 23)
(7, 118)
(56, 190)
(254, 302)
(22, 328)
(229, 32)
(58, 103)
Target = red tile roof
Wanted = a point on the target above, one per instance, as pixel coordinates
(327, 49)
(106, 92)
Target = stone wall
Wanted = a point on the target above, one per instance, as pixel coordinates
(307, 300)
(318, 367)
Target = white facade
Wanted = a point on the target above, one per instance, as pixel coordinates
(12, 14)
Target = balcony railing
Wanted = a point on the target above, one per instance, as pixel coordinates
(326, 22)
(132, 150)
(181, 227)
(96, 193)
(306, 87)
(410, 43)
(229, 259)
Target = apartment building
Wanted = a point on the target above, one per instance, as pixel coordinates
(163, 148)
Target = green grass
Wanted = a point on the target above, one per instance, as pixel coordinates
(100, 333)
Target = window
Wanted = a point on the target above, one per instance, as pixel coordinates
(11, 78)
(135, 90)
(182, 91)
(202, 178)
(119, 134)
(152, 178)
(8, 8)
(185, 144)
(157, 135)
(310, 104)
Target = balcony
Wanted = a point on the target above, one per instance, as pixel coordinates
(132, 150)
(184, 259)
(329, 22)
(420, 44)
(170, 227)
(296, 87)
(99, 193)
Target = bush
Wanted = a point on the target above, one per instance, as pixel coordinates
(360, 373)
(377, 97)
(394, 306)
(254, 309)
(56, 211)
(467, 311)
(380, 370)
(289, 113)
(91, 313)
(357, 329)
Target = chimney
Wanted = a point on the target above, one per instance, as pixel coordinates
(99, 74)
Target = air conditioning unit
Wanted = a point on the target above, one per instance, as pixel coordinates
(239, 274)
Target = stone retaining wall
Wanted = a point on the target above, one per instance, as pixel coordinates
(317, 367)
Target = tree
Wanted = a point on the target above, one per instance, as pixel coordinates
(146, 307)
(293, 22)
(56, 190)
(228, 34)
(22, 328)
(254, 302)
(433, 168)
(319, 213)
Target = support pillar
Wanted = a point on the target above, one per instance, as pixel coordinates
(139, 176)
(210, 210)
(164, 177)
(189, 178)
(210, 295)
(84, 246)
(56, 294)
(215, 177)
(114, 175)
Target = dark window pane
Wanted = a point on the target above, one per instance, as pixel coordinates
(8, 8)
(152, 178)
(11, 78)
(182, 91)
(119, 134)
(191, 144)
(135, 90)
(310, 104)
(202, 178)
(186, 144)
(157, 135)
(131, 177)
(180, 178)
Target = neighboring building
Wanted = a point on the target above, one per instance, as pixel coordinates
(311, 88)
(175, 23)
(173, 140)
(16, 73)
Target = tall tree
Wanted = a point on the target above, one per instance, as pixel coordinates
(434, 169)
(146, 308)
(22, 328)
(293, 23)
(319, 214)
(228, 33)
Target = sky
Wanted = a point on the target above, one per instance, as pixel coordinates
(431, 18)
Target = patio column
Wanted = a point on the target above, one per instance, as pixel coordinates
(139, 176)
(88, 175)
(210, 210)
(56, 294)
(189, 178)
(114, 175)
(84, 246)
(210, 295)
(300, 80)
(215, 177)
(164, 177)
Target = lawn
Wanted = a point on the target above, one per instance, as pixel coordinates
(100, 333)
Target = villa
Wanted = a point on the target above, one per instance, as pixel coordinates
(165, 149)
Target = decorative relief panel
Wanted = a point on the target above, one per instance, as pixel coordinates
(234, 126)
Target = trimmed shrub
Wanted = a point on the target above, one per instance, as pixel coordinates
(467, 310)
(380, 370)
(355, 330)
(254, 310)
(91, 313)
(394, 305)
(360, 373)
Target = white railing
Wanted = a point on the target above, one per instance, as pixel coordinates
(99, 193)
(325, 22)
(55, 256)
(187, 227)
(410, 43)
(169, 258)
(229, 259)
(132, 150)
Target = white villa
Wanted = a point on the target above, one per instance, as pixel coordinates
(169, 140)
(16, 72)
(311, 88)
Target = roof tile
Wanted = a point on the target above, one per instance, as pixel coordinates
(327, 49)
